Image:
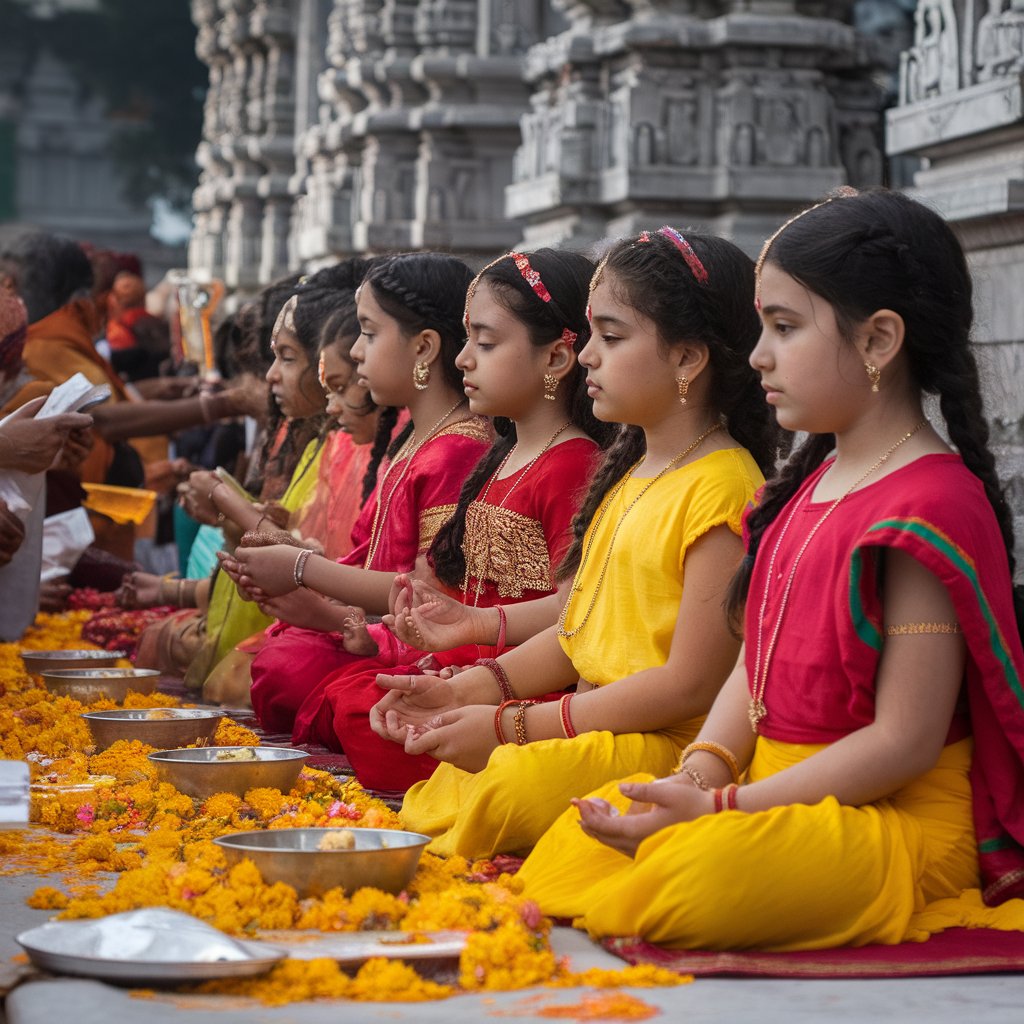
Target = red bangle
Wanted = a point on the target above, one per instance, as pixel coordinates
(498, 731)
(500, 675)
(718, 800)
(502, 629)
(730, 792)
(563, 711)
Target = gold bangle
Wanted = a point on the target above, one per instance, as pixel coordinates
(919, 628)
(722, 753)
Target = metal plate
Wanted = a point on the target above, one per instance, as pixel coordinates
(53, 946)
(355, 947)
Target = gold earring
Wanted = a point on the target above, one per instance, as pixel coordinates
(684, 386)
(874, 375)
(420, 376)
(550, 386)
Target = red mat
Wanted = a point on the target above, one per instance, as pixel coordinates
(954, 951)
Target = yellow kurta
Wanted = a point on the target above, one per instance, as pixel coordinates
(792, 877)
(522, 790)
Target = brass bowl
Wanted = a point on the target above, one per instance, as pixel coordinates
(38, 662)
(92, 684)
(162, 728)
(382, 858)
(198, 773)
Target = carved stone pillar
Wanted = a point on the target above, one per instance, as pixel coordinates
(961, 110)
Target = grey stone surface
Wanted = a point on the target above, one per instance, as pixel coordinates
(996, 999)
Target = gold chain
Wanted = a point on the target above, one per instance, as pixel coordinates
(568, 634)
(482, 498)
(757, 711)
(380, 518)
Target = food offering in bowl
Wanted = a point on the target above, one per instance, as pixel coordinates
(162, 728)
(92, 684)
(39, 662)
(203, 771)
(314, 860)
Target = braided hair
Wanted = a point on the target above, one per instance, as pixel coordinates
(566, 275)
(422, 291)
(882, 250)
(650, 274)
(316, 298)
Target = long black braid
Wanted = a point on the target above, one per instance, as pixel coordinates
(883, 250)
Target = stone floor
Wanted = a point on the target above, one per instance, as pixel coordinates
(991, 999)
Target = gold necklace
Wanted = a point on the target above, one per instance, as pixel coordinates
(568, 634)
(381, 518)
(757, 711)
(482, 499)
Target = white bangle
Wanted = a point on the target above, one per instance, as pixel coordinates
(300, 566)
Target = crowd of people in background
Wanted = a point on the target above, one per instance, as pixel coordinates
(535, 546)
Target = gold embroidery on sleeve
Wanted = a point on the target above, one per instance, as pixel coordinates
(431, 520)
(507, 549)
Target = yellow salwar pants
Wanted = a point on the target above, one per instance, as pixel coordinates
(507, 807)
(794, 877)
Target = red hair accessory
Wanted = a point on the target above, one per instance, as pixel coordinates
(645, 236)
(530, 276)
(692, 259)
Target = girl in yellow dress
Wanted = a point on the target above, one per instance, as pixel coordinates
(642, 640)
(876, 717)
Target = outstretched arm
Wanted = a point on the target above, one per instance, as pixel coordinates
(919, 679)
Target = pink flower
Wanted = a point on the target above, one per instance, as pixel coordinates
(531, 915)
(86, 814)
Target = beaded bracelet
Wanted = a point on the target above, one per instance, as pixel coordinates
(300, 566)
(502, 629)
(563, 710)
(722, 753)
(500, 675)
(498, 731)
(696, 777)
(520, 721)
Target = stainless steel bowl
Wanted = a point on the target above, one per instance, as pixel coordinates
(162, 728)
(38, 662)
(382, 858)
(198, 773)
(91, 684)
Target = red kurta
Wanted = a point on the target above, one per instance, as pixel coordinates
(412, 508)
(513, 543)
(821, 678)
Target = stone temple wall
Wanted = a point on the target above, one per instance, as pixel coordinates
(340, 126)
(961, 111)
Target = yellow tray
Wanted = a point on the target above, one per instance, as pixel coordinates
(122, 504)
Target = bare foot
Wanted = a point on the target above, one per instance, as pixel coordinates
(357, 637)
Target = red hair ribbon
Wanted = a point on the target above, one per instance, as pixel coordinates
(692, 259)
(569, 336)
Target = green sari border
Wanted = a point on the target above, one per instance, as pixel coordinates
(868, 632)
(960, 562)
